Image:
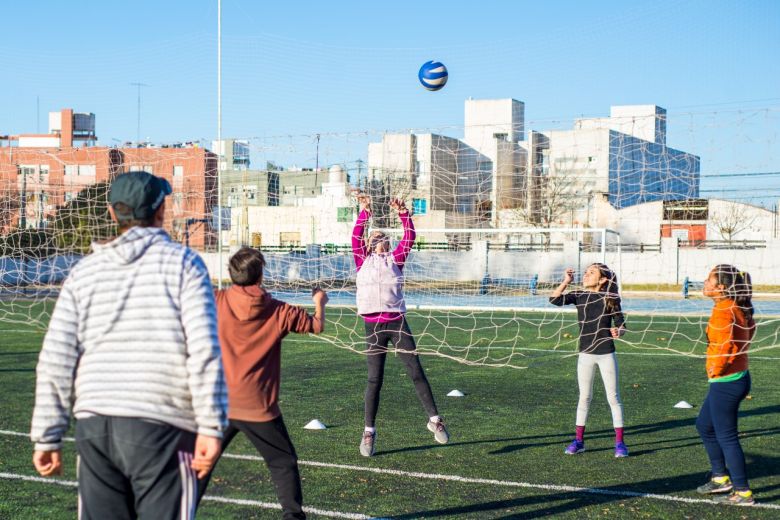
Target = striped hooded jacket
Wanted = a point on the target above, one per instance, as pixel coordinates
(133, 334)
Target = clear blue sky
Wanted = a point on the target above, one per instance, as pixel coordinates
(293, 68)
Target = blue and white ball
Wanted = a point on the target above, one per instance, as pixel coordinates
(433, 75)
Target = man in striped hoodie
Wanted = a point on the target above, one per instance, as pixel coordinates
(132, 345)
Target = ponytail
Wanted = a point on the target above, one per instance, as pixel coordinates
(738, 286)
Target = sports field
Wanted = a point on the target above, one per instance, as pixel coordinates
(505, 458)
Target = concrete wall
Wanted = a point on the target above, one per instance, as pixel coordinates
(395, 154)
(642, 223)
(16, 272)
(647, 122)
(485, 117)
(668, 266)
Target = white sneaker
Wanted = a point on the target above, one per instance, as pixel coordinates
(367, 444)
(439, 431)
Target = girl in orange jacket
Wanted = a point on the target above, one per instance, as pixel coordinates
(729, 332)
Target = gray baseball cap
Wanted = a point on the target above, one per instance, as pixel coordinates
(140, 191)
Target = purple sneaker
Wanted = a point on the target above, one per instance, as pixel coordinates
(621, 450)
(575, 447)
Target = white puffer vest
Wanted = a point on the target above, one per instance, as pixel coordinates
(380, 285)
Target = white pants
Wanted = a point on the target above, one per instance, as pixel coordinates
(586, 368)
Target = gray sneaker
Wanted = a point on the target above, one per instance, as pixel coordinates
(439, 431)
(736, 498)
(367, 444)
(714, 487)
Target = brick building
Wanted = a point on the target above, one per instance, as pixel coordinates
(40, 173)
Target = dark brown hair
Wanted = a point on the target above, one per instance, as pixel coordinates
(246, 267)
(737, 286)
(610, 287)
(125, 219)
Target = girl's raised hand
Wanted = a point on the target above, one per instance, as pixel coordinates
(398, 205)
(364, 201)
(568, 276)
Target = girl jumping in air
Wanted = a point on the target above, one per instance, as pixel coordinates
(380, 302)
(600, 319)
(729, 332)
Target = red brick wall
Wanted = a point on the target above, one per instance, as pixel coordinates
(66, 139)
(194, 191)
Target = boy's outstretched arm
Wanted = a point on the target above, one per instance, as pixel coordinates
(297, 319)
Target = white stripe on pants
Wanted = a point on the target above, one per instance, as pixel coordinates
(586, 368)
(189, 486)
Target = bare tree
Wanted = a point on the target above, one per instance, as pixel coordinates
(732, 220)
(550, 197)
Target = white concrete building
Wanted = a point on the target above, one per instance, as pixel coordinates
(444, 179)
(702, 219)
(501, 175)
(324, 219)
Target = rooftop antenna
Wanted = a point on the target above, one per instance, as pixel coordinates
(138, 129)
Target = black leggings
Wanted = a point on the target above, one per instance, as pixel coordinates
(397, 332)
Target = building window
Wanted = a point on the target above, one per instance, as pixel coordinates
(178, 171)
(44, 169)
(420, 206)
(135, 168)
(87, 170)
(345, 214)
(71, 169)
(26, 170)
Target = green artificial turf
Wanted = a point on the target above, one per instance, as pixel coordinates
(510, 429)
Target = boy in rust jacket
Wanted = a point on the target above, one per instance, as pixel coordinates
(251, 326)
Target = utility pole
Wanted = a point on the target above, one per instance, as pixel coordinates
(221, 145)
(360, 174)
(317, 162)
(138, 129)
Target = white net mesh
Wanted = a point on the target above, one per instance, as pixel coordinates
(501, 211)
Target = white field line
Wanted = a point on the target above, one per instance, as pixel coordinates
(210, 498)
(482, 481)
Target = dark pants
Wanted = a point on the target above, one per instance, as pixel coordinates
(397, 332)
(717, 425)
(274, 444)
(132, 468)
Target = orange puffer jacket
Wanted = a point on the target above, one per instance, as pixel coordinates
(729, 332)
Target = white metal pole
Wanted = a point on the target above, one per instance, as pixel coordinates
(220, 144)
